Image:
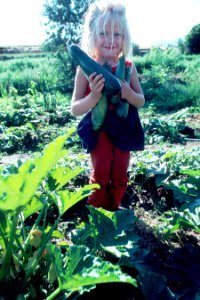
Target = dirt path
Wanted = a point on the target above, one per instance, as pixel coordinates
(12, 159)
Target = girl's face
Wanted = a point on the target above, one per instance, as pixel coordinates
(109, 43)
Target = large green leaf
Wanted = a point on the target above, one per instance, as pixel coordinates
(62, 175)
(82, 271)
(17, 190)
(86, 269)
(33, 206)
(67, 199)
(110, 231)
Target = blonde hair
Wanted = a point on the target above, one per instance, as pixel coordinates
(103, 12)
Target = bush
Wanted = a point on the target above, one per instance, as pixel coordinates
(192, 41)
(169, 79)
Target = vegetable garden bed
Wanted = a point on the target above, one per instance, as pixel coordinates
(54, 246)
(154, 246)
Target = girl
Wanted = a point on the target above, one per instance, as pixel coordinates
(105, 38)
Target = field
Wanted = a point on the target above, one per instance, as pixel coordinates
(54, 246)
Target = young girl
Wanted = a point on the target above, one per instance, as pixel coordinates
(105, 38)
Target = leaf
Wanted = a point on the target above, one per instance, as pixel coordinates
(110, 231)
(57, 234)
(192, 173)
(113, 227)
(67, 199)
(193, 217)
(82, 271)
(62, 175)
(17, 190)
(183, 191)
(33, 206)
(119, 220)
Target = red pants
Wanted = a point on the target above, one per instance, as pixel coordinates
(110, 172)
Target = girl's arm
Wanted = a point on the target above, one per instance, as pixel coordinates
(80, 102)
(133, 92)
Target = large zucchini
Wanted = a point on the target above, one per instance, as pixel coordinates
(112, 84)
(98, 112)
(120, 72)
(123, 105)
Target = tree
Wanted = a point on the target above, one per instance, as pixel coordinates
(64, 19)
(63, 22)
(192, 40)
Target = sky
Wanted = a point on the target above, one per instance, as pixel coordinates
(152, 22)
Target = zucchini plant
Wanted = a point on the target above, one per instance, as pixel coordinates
(28, 254)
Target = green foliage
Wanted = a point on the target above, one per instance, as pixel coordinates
(19, 72)
(107, 231)
(187, 218)
(192, 40)
(33, 187)
(161, 130)
(82, 271)
(167, 79)
(174, 171)
(74, 259)
(17, 189)
(64, 70)
(32, 121)
(51, 73)
(33, 132)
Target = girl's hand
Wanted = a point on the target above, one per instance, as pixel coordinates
(126, 90)
(134, 98)
(96, 83)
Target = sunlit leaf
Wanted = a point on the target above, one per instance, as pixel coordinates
(17, 190)
(82, 271)
(67, 199)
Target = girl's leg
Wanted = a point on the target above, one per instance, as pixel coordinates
(101, 157)
(119, 178)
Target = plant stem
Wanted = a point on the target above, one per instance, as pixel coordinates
(57, 291)
(32, 268)
(3, 237)
(6, 262)
(54, 294)
(23, 253)
(21, 216)
(34, 226)
(45, 218)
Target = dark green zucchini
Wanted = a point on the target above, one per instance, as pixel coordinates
(98, 112)
(112, 84)
(123, 105)
(120, 72)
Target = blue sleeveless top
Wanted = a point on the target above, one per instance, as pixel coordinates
(126, 134)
